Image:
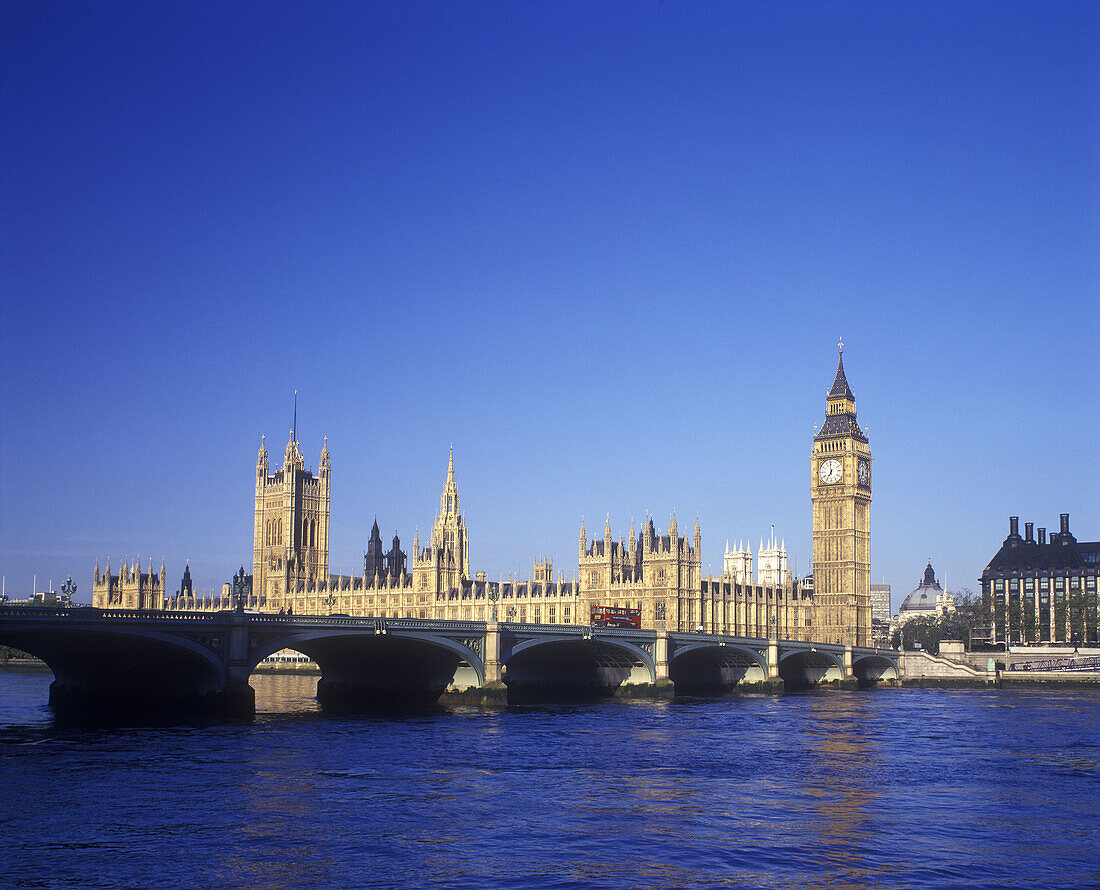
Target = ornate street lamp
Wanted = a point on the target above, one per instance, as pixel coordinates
(67, 591)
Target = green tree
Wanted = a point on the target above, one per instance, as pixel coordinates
(925, 630)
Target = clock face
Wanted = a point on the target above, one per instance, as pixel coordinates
(864, 471)
(830, 471)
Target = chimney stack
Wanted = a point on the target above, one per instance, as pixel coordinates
(1042, 536)
(1028, 526)
(1064, 518)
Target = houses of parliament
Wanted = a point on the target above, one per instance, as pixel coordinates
(656, 571)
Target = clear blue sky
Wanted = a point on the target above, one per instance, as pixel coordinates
(606, 249)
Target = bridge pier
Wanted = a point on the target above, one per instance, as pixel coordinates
(492, 653)
(848, 672)
(660, 658)
(773, 659)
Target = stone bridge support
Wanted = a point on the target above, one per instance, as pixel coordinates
(492, 654)
(660, 657)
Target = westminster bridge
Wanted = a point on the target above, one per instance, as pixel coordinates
(146, 660)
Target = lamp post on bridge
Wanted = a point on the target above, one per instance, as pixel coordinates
(67, 591)
(330, 601)
(494, 595)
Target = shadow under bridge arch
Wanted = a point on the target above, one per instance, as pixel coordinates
(871, 668)
(803, 668)
(364, 670)
(708, 667)
(564, 665)
(104, 671)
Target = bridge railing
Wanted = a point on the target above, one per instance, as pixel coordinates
(84, 613)
(1089, 663)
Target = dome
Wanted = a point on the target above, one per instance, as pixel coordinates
(924, 598)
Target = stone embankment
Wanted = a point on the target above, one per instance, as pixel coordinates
(949, 668)
(956, 667)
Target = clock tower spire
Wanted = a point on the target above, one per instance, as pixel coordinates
(840, 491)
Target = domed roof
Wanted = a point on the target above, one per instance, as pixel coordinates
(923, 599)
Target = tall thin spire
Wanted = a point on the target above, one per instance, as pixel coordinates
(840, 382)
(294, 427)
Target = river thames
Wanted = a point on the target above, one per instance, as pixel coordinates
(889, 788)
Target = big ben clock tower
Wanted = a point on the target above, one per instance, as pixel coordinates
(840, 490)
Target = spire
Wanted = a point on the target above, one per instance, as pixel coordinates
(840, 384)
(448, 501)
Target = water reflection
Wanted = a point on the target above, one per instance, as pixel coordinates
(285, 693)
(843, 750)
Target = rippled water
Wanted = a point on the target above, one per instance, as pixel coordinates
(893, 788)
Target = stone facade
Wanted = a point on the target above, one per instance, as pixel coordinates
(445, 563)
(737, 563)
(1041, 590)
(657, 573)
(840, 491)
(290, 542)
(131, 588)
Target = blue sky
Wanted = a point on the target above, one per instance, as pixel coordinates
(606, 249)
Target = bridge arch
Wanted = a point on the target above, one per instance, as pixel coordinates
(361, 670)
(708, 666)
(568, 664)
(873, 667)
(801, 668)
(126, 668)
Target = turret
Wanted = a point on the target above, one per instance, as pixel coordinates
(324, 466)
(698, 539)
(583, 539)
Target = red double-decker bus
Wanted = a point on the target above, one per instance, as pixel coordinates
(606, 616)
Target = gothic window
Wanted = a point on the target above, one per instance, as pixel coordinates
(594, 579)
